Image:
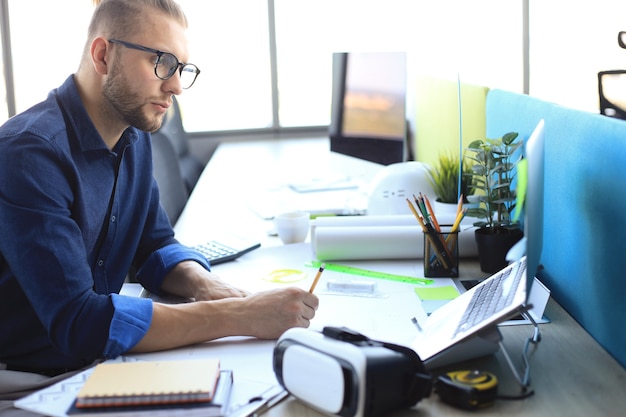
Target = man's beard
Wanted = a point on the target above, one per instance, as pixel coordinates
(120, 98)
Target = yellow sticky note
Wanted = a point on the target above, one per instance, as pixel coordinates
(447, 292)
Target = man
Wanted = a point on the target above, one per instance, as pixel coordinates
(79, 207)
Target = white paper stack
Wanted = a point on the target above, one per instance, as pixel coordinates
(379, 237)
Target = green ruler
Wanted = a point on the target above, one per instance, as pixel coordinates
(369, 273)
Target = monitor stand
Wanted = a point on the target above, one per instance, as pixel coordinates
(486, 342)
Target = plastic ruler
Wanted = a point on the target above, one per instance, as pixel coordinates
(369, 273)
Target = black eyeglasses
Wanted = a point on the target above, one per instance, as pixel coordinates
(166, 64)
(621, 39)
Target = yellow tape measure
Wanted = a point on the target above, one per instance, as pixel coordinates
(469, 390)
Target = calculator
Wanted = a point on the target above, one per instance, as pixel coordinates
(226, 249)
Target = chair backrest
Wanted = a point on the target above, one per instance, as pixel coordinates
(172, 127)
(166, 169)
(610, 87)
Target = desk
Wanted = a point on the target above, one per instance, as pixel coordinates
(240, 172)
(571, 374)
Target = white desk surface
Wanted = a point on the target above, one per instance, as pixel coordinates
(241, 175)
(570, 373)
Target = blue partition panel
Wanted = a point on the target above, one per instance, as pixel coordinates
(584, 249)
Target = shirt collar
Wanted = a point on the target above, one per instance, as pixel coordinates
(78, 120)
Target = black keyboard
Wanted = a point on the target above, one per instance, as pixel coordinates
(223, 251)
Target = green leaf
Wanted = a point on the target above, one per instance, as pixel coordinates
(494, 168)
(508, 138)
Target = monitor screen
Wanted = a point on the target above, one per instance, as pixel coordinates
(530, 197)
(533, 204)
(368, 115)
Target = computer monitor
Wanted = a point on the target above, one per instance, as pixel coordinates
(533, 204)
(531, 200)
(368, 109)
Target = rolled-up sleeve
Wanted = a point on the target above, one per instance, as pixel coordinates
(132, 316)
(131, 320)
(160, 262)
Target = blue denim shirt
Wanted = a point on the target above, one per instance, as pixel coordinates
(74, 217)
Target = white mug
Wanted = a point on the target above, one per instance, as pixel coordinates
(292, 227)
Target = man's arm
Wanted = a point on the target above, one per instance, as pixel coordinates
(221, 310)
(191, 280)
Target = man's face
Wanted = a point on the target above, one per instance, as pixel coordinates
(136, 96)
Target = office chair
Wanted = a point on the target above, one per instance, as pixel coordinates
(612, 93)
(172, 127)
(173, 192)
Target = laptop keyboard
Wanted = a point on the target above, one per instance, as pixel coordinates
(491, 298)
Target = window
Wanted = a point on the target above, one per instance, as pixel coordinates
(47, 39)
(307, 34)
(249, 67)
(229, 42)
(566, 57)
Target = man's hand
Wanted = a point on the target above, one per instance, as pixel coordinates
(269, 313)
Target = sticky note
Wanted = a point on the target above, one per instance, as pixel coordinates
(434, 297)
(446, 292)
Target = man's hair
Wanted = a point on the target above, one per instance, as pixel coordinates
(121, 19)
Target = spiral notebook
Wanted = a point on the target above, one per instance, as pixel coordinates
(218, 407)
(147, 383)
(58, 399)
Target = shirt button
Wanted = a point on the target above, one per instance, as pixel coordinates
(100, 262)
(112, 219)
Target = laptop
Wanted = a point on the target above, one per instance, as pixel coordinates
(465, 327)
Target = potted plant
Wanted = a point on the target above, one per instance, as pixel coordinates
(444, 178)
(494, 164)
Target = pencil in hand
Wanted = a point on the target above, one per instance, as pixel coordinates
(317, 278)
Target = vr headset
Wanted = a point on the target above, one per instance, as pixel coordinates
(341, 372)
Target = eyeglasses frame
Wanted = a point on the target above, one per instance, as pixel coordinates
(179, 66)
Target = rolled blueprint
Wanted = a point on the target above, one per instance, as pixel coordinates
(378, 237)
